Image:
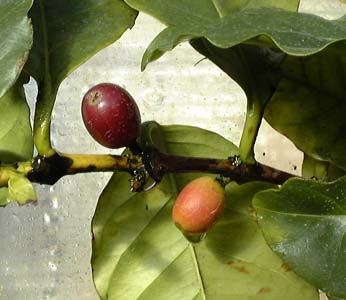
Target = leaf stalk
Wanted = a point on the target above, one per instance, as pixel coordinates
(252, 124)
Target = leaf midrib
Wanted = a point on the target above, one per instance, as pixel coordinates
(174, 194)
(199, 275)
(298, 214)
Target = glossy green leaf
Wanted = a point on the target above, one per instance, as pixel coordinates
(294, 33)
(226, 7)
(16, 142)
(305, 223)
(66, 34)
(16, 40)
(196, 142)
(308, 106)
(138, 253)
(175, 12)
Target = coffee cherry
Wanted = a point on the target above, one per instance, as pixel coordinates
(198, 206)
(111, 115)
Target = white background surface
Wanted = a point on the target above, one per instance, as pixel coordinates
(45, 248)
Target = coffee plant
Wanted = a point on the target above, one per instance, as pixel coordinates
(278, 235)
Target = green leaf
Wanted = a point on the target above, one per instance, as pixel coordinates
(16, 40)
(305, 223)
(308, 106)
(4, 200)
(138, 253)
(66, 34)
(226, 7)
(16, 142)
(196, 142)
(175, 12)
(294, 33)
(21, 190)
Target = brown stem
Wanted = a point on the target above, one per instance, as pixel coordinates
(231, 168)
(48, 170)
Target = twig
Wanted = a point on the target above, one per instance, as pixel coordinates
(48, 170)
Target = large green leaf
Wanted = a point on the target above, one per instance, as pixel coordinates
(309, 104)
(294, 33)
(16, 40)
(16, 142)
(305, 223)
(66, 34)
(175, 12)
(226, 7)
(138, 253)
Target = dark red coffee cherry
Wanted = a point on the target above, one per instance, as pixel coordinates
(111, 115)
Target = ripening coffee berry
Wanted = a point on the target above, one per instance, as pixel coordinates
(111, 115)
(199, 204)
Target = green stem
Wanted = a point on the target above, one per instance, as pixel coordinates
(45, 99)
(42, 120)
(252, 124)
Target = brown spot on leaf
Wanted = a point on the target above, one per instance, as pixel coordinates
(286, 267)
(238, 265)
(264, 290)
